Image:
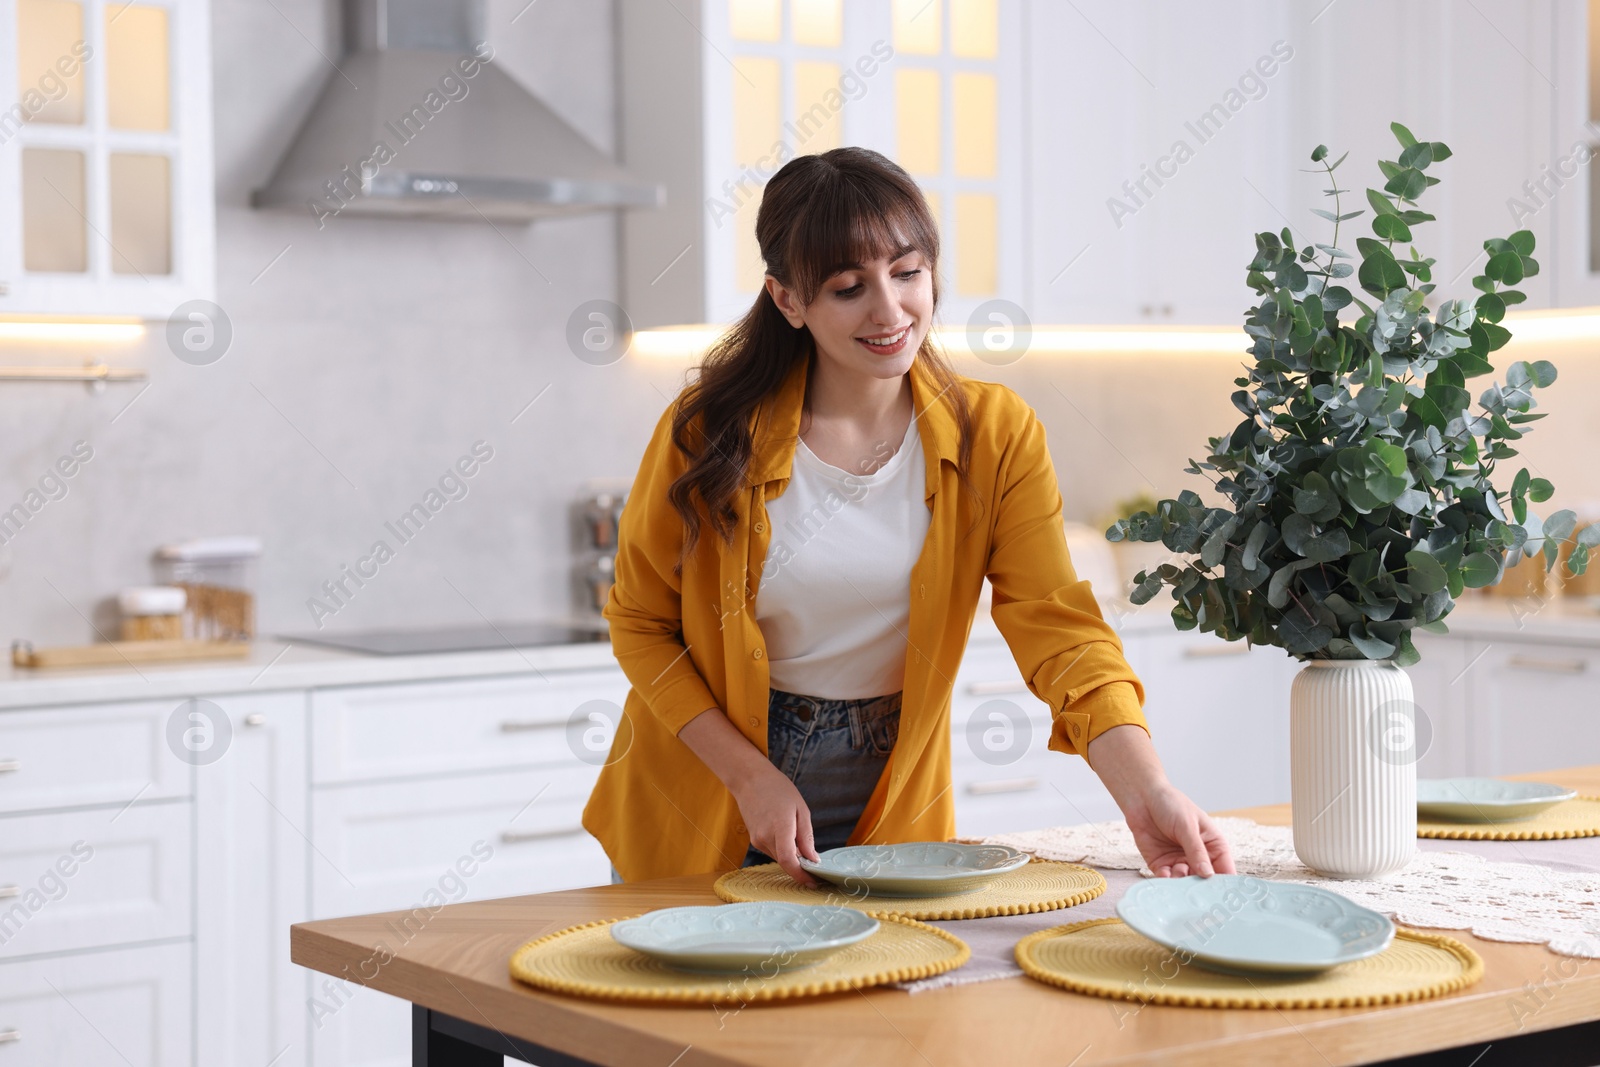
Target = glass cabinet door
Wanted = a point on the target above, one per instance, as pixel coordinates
(104, 159)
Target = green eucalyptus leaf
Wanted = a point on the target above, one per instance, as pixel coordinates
(1371, 647)
(1418, 155)
(1480, 569)
(1327, 546)
(1426, 575)
(1407, 184)
(1504, 267)
(1390, 227)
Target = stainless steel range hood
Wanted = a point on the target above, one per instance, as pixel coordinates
(419, 121)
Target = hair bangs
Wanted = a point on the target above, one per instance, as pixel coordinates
(856, 221)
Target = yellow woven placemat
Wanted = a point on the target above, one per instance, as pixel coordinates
(1107, 958)
(587, 961)
(1578, 817)
(1042, 885)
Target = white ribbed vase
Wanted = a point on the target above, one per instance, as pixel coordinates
(1353, 768)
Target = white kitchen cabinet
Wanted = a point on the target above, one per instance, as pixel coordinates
(95, 877)
(1003, 774)
(371, 733)
(253, 841)
(414, 846)
(1569, 184)
(1218, 715)
(105, 159)
(1531, 706)
(430, 793)
(1143, 204)
(1439, 688)
(88, 754)
(1479, 77)
(718, 94)
(461, 837)
(130, 1007)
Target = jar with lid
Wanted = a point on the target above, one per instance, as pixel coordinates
(218, 576)
(152, 612)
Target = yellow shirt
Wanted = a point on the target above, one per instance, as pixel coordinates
(691, 645)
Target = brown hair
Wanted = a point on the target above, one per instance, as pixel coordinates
(847, 205)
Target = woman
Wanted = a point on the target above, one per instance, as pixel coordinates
(828, 459)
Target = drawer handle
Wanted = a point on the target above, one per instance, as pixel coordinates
(979, 689)
(10, 764)
(1212, 651)
(10, 1036)
(255, 718)
(511, 726)
(9, 891)
(523, 837)
(1563, 666)
(1004, 785)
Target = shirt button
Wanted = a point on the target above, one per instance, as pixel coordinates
(760, 527)
(1075, 730)
(923, 590)
(740, 828)
(757, 653)
(754, 721)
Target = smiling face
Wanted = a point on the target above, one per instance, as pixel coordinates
(868, 318)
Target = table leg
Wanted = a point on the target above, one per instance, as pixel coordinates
(440, 1040)
(431, 1048)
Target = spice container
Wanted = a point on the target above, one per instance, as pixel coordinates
(152, 612)
(218, 575)
(600, 574)
(601, 513)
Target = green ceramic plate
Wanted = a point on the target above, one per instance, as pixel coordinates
(914, 868)
(1237, 924)
(1486, 799)
(765, 935)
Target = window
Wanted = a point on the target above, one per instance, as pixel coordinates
(918, 80)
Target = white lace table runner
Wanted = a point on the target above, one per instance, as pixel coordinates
(1445, 889)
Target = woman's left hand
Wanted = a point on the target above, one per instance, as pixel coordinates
(1174, 836)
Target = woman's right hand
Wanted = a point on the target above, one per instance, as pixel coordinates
(778, 820)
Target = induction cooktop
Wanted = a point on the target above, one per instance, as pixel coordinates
(476, 638)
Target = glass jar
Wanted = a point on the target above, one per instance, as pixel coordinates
(219, 576)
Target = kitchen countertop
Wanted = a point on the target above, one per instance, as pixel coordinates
(273, 665)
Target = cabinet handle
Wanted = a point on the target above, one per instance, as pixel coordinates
(10, 1036)
(9, 891)
(1004, 785)
(511, 726)
(1563, 666)
(523, 837)
(255, 718)
(10, 764)
(979, 689)
(1213, 651)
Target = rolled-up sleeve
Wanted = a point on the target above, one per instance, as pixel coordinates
(645, 608)
(1069, 655)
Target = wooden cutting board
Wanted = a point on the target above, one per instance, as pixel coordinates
(124, 653)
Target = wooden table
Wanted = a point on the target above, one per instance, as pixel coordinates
(467, 1011)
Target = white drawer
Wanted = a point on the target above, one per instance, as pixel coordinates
(366, 733)
(127, 1007)
(83, 879)
(465, 837)
(1043, 789)
(93, 754)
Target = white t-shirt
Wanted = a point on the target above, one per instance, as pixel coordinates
(834, 598)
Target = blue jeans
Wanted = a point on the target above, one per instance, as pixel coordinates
(834, 750)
